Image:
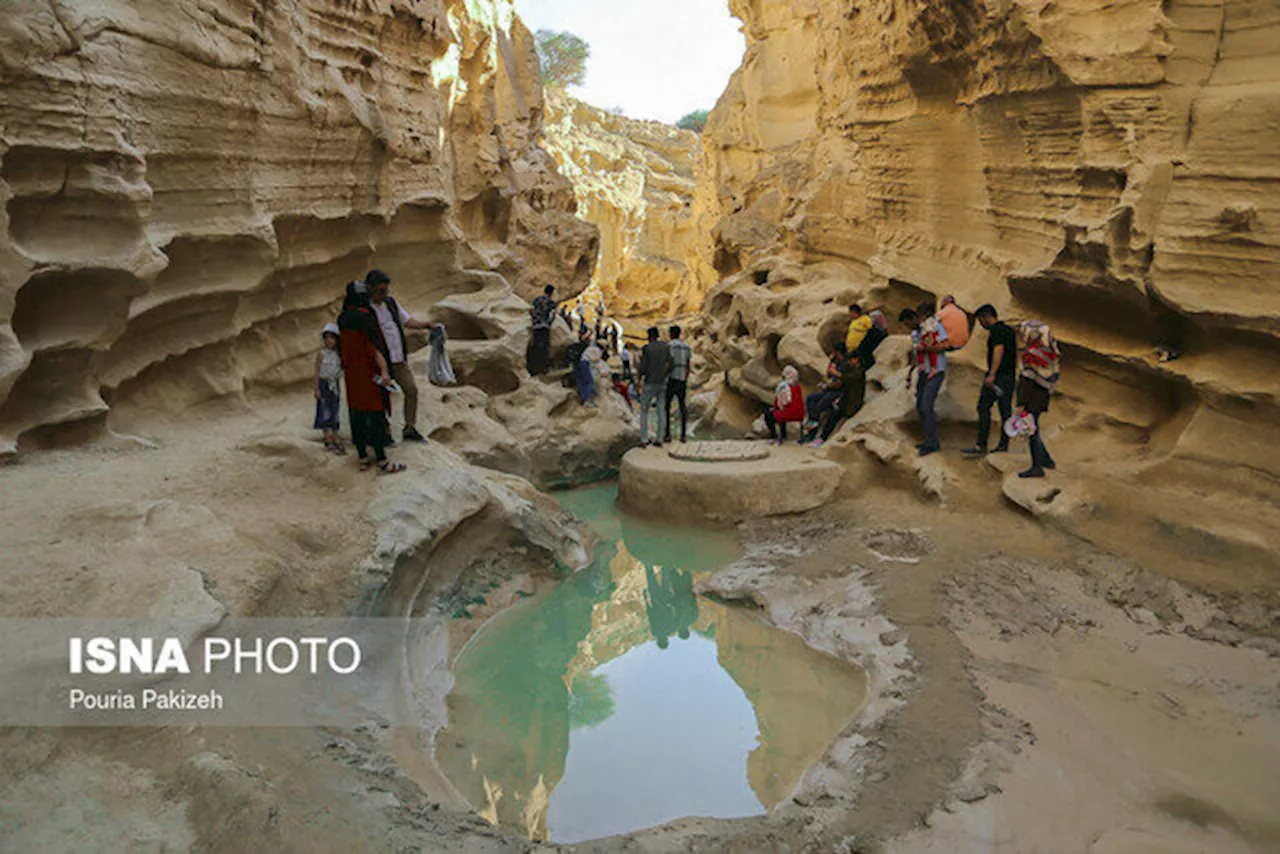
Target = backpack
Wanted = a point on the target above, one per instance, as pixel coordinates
(866, 350)
(956, 321)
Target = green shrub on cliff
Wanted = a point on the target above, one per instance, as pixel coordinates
(564, 58)
(695, 121)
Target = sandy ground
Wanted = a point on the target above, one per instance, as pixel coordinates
(1031, 693)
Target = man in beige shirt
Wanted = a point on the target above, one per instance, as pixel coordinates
(393, 320)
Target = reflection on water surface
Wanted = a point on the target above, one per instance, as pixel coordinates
(621, 700)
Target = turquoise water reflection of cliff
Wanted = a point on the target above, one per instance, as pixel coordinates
(620, 700)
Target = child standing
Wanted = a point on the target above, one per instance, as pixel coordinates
(328, 397)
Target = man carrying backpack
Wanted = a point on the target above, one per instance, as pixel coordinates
(678, 382)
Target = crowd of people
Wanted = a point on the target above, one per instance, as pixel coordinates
(935, 330)
(655, 375)
(367, 351)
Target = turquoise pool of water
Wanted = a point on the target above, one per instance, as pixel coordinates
(621, 700)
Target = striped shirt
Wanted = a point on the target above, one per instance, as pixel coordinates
(681, 356)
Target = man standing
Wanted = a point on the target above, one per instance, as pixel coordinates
(655, 364)
(542, 313)
(393, 320)
(928, 357)
(678, 382)
(998, 384)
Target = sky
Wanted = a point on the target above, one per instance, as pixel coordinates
(656, 59)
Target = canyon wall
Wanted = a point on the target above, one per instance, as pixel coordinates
(188, 185)
(1111, 168)
(638, 182)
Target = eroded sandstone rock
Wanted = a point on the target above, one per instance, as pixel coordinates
(656, 485)
(638, 182)
(187, 188)
(1106, 168)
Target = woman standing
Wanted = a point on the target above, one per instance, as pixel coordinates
(367, 377)
(1040, 362)
(788, 405)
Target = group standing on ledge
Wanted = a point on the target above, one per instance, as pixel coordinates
(935, 331)
(658, 375)
(368, 350)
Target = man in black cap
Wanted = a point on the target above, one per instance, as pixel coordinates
(393, 320)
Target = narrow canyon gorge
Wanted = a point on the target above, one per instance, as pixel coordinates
(933, 653)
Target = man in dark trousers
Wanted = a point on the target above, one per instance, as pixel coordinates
(541, 314)
(998, 384)
(393, 320)
(678, 382)
(655, 365)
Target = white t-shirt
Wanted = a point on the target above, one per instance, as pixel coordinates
(391, 332)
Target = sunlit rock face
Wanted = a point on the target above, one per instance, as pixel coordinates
(638, 182)
(188, 185)
(1110, 168)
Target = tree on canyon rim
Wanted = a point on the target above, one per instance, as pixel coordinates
(564, 58)
(695, 121)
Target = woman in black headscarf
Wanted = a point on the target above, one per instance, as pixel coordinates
(364, 366)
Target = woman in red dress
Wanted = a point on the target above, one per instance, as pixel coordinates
(365, 370)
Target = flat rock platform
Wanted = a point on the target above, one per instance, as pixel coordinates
(724, 482)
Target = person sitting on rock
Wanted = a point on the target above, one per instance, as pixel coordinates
(851, 383)
(824, 400)
(788, 405)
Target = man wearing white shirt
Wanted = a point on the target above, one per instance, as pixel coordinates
(393, 320)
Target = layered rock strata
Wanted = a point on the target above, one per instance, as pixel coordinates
(1108, 168)
(188, 186)
(638, 182)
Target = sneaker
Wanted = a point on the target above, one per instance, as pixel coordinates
(1034, 471)
(1002, 448)
(412, 435)
(975, 451)
(816, 443)
(926, 451)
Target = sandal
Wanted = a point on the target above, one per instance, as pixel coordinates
(366, 464)
(389, 467)
(338, 448)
